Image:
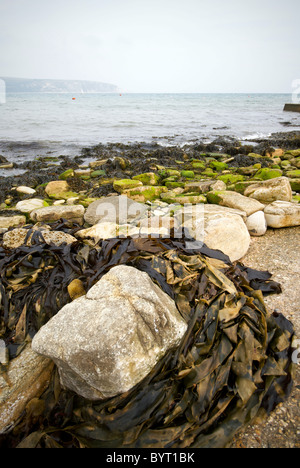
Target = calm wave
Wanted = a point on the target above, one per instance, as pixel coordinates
(37, 123)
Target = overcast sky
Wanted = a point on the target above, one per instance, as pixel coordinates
(155, 45)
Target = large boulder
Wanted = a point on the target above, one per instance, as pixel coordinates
(116, 209)
(270, 190)
(218, 227)
(106, 342)
(282, 214)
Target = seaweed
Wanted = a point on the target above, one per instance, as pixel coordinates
(233, 362)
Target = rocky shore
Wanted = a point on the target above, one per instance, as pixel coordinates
(225, 194)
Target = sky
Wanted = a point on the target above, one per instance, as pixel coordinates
(154, 46)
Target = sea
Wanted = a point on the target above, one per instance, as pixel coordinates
(40, 124)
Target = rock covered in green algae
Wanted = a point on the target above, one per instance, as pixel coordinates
(122, 185)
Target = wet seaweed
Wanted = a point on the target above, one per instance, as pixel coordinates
(233, 362)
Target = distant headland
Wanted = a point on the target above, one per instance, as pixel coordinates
(26, 85)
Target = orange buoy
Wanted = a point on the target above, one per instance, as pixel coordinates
(73, 98)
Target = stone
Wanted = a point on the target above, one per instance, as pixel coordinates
(218, 165)
(7, 166)
(204, 186)
(275, 153)
(25, 190)
(292, 153)
(145, 193)
(15, 238)
(66, 174)
(149, 178)
(4, 354)
(167, 172)
(257, 224)
(59, 202)
(270, 190)
(124, 184)
(59, 189)
(72, 213)
(235, 200)
(281, 214)
(28, 376)
(230, 179)
(82, 172)
(295, 184)
(268, 173)
(98, 163)
(187, 174)
(76, 289)
(220, 228)
(184, 198)
(27, 206)
(117, 209)
(56, 187)
(7, 222)
(107, 230)
(293, 174)
(98, 173)
(108, 341)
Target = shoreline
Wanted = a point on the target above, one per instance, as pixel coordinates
(51, 209)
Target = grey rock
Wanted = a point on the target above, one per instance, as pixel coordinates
(115, 209)
(106, 342)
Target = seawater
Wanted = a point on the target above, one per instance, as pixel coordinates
(35, 124)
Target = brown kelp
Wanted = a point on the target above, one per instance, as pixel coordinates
(233, 362)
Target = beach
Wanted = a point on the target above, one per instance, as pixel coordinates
(48, 200)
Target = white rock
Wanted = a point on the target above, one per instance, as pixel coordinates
(270, 190)
(220, 228)
(26, 190)
(27, 206)
(106, 342)
(282, 214)
(257, 224)
(59, 202)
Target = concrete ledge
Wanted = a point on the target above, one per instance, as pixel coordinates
(292, 108)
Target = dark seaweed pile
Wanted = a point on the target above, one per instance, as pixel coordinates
(233, 363)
